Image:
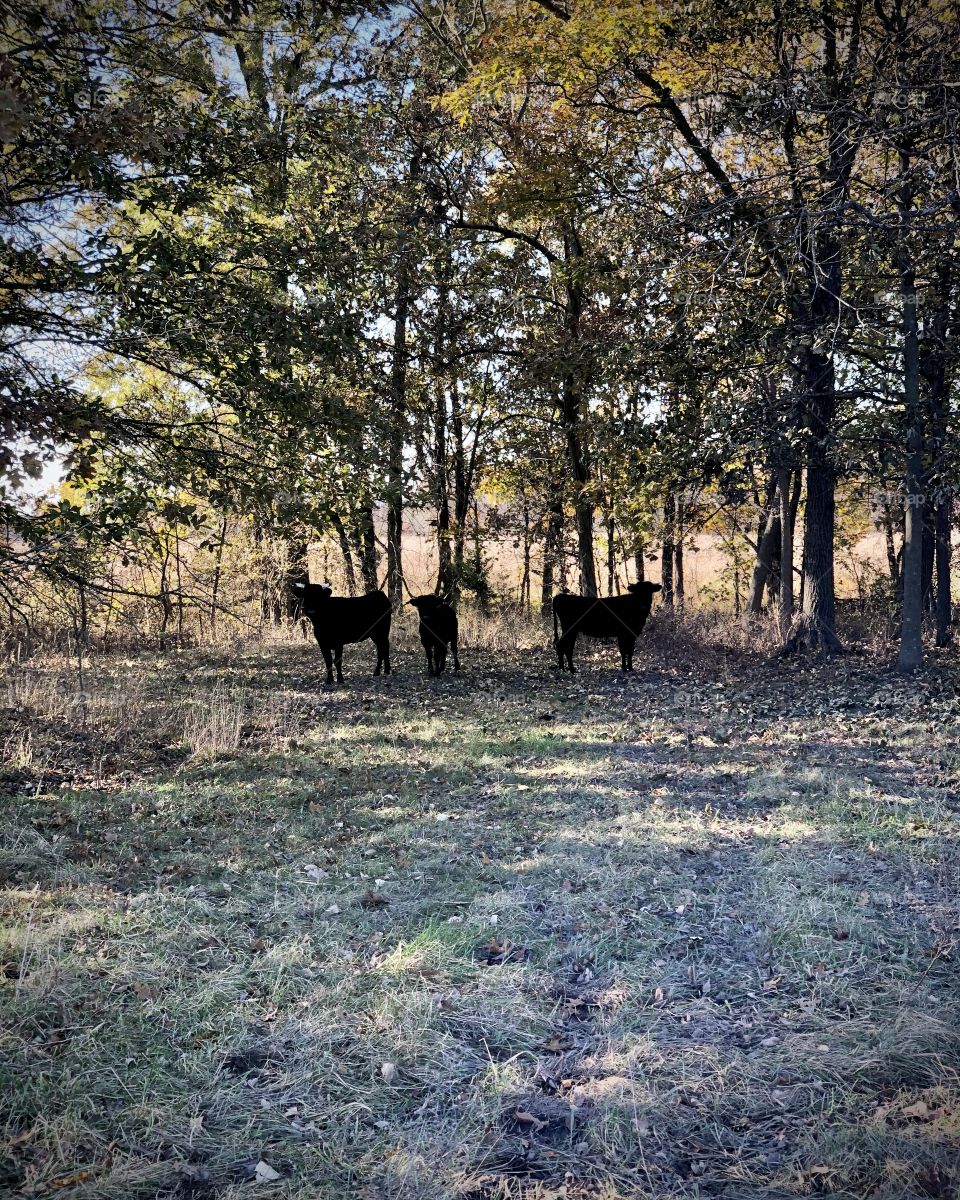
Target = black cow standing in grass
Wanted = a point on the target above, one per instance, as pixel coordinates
(438, 630)
(620, 617)
(339, 620)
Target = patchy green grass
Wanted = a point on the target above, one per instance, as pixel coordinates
(506, 934)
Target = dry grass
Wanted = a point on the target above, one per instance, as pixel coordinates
(508, 934)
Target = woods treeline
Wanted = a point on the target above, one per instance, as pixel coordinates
(276, 272)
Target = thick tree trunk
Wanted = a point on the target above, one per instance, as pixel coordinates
(639, 565)
(819, 527)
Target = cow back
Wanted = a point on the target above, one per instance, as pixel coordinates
(344, 619)
(609, 617)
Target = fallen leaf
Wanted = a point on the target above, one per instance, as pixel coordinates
(526, 1118)
(388, 1071)
(373, 899)
(557, 1045)
(496, 954)
(264, 1173)
(316, 873)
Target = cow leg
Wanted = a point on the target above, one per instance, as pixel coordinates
(338, 661)
(456, 656)
(379, 646)
(328, 659)
(565, 648)
(441, 658)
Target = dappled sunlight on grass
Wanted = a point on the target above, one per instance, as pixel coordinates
(647, 936)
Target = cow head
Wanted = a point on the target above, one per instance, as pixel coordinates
(313, 595)
(644, 590)
(427, 604)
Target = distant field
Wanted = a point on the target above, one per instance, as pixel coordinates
(507, 934)
(703, 567)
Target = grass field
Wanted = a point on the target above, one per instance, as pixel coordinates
(690, 933)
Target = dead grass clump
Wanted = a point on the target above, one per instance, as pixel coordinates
(214, 724)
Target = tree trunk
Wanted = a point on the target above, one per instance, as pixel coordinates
(933, 366)
(926, 571)
(911, 628)
(573, 413)
(893, 558)
(551, 545)
(819, 527)
(943, 555)
(612, 581)
(525, 577)
(768, 544)
(366, 537)
(667, 555)
(398, 404)
(344, 541)
(217, 575)
(461, 485)
(440, 464)
(787, 519)
(666, 552)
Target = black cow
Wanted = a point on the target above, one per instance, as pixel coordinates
(620, 617)
(438, 630)
(339, 620)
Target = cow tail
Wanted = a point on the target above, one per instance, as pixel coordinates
(556, 627)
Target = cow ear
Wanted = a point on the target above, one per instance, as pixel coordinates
(655, 587)
(299, 587)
